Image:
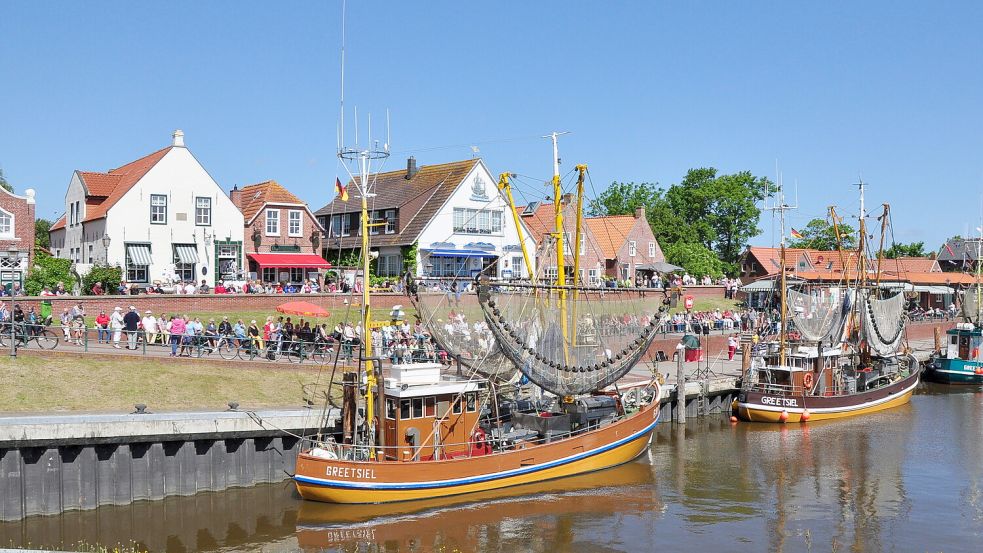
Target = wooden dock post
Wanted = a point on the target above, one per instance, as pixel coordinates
(745, 358)
(680, 385)
(938, 340)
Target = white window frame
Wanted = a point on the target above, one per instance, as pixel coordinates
(593, 276)
(651, 249)
(272, 216)
(203, 211)
(162, 215)
(390, 221)
(632, 248)
(295, 216)
(6, 228)
(583, 244)
(346, 224)
(373, 219)
(477, 221)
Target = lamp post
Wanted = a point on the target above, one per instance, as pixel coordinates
(105, 247)
(14, 253)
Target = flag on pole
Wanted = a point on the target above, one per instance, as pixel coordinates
(341, 189)
(948, 248)
(796, 234)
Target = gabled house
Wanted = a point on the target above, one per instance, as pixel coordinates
(959, 255)
(615, 246)
(282, 234)
(16, 236)
(449, 220)
(161, 218)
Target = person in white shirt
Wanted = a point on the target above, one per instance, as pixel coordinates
(149, 327)
(116, 323)
(190, 288)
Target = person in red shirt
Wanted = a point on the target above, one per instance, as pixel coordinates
(102, 327)
(97, 289)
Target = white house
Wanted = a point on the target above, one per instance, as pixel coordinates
(453, 212)
(161, 218)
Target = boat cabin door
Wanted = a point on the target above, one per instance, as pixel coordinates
(964, 347)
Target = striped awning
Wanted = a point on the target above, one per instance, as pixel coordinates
(187, 254)
(139, 254)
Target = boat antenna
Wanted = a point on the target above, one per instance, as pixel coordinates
(781, 207)
(341, 119)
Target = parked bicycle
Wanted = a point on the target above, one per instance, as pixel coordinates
(23, 334)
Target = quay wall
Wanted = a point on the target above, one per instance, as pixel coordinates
(51, 464)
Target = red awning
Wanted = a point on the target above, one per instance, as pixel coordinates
(302, 260)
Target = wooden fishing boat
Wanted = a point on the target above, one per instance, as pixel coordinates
(419, 433)
(960, 361)
(838, 351)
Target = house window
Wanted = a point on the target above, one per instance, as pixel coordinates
(294, 227)
(592, 276)
(203, 211)
(517, 264)
(335, 228)
(651, 249)
(185, 258)
(390, 265)
(6, 223)
(346, 224)
(158, 209)
(583, 244)
(373, 221)
(136, 268)
(269, 274)
(477, 221)
(390, 221)
(78, 212)
(297, 274)
(90, 253)
(632, 250)
(550, 274)
(273, 222)
(71, 214)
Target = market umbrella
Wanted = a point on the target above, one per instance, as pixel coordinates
(305, 308)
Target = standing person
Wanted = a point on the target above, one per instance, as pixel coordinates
(731, 347)
(102, 326)
(175, 329)
(116, 323)
(149, 327)
(131, 323)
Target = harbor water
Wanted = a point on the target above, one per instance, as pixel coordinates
(909, 479)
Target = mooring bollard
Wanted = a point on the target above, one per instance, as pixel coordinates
(680, 384)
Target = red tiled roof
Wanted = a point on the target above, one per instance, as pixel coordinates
(911, 265)
(611, 232)
(255, 196)
(99, 184)
(59, 224)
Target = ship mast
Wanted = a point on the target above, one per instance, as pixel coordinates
(561, 277)
(781, 208)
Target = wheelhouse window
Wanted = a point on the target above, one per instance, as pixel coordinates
(273, 222)
(203, 211)
(158, 209)
(294, 227)
(404, 409)
(417, 407)
(472, 402)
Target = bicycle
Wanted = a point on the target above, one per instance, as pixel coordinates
(40, 335)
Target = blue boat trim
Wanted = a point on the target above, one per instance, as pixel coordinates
(477, 479)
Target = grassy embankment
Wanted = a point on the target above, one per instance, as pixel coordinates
(32, 383)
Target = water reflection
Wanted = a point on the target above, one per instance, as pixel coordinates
(909, 479)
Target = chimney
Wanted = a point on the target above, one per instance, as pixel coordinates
(236, 196)
(566, 199)
(411, 169)
(178, 138)
(639, 212)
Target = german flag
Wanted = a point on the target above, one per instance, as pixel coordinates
(796, 234)
(341, 189)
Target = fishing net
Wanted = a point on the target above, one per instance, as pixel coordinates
(818, 315)
(971, 303)
(884, 322)
(457, 324)
(568, 341)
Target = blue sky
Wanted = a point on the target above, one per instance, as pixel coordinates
(831, 90)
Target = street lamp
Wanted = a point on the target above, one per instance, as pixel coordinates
(105, 246)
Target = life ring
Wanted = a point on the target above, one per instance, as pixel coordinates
(807, 380)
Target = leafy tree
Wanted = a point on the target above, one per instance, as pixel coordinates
(41, 228)
(898, 249)
(819, 234)
(621, 198)
(697, 259)
(109, 275)
(4, 184)
(48, 271)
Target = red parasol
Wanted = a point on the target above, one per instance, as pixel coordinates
(302, 308)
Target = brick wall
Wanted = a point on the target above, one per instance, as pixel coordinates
(308, 227)
(23, 212)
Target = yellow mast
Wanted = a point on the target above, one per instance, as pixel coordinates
(370, 377)
(561, 278)
(581, 169)
(505, 186)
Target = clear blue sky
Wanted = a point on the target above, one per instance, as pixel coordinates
(892, 91)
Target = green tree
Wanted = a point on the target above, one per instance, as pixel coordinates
(109, 275)
(899, 249)
(621, 198)
(4, 184)
(697, 259)
(48, 272)
(41, 228)
(819, 234)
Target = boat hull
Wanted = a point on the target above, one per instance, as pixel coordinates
(345, 481)
(756, 406)
(954, 371)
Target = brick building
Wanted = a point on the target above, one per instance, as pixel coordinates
(615, 246)
(282, 235)
(16, 235)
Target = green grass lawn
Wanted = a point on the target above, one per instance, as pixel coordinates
(32, 383)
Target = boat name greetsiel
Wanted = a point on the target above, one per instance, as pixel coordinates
(781, 401)
(349, 472)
